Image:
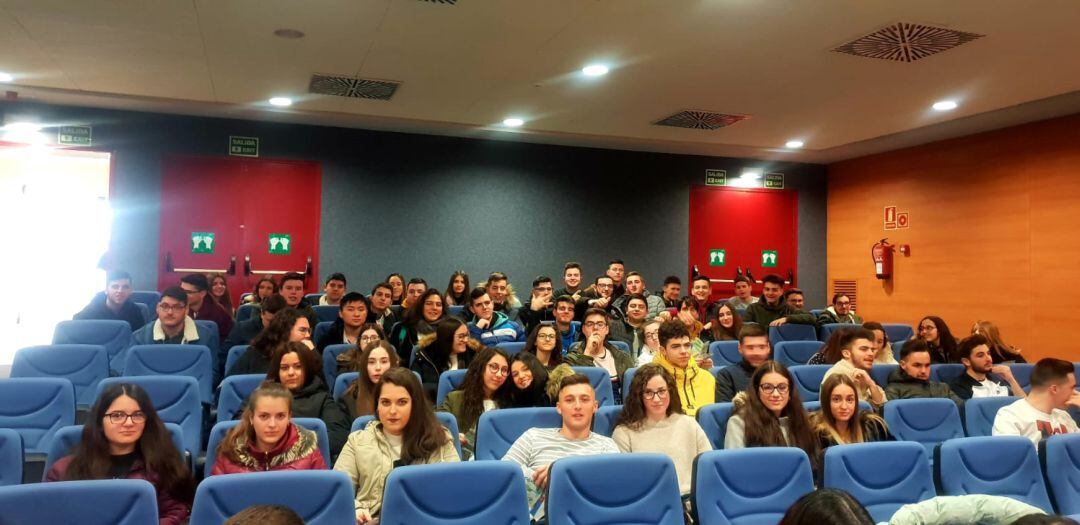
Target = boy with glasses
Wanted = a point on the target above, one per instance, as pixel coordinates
(173, 326)
(596, 349)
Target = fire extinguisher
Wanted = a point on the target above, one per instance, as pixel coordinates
(882, 253)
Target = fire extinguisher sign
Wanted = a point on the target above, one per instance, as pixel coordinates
(890, 217)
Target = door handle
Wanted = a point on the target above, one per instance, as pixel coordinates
(231, 270)
(248, 270)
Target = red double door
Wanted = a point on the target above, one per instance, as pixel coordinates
(245, 217)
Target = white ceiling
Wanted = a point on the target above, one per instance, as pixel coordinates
(465, 67)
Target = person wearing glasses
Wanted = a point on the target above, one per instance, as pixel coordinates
(173, 326)
(545, 344)
(452, 348)
(652, 420)
(124, 438)
(484, 388)
(353, 312)
(839, 312)
(652, 343)
(541, 305)
(596, 350)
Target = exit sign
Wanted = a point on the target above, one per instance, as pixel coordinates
(244, 146)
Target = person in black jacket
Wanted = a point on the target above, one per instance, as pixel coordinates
(450, 348)
(115, 303)
(420, 319)
(299, 369)
(245, 331)
(539, 307)
(289, 325)
(353, 312)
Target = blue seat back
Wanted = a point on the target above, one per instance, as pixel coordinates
(828, 329)
(998, 466)
(320, 497)
(320, 330)
(234, 392)
(313, 298)
(792, 332)
(511, 348)
(36, 407)
(627, 379)
(898, 332)
(174, 360)
(217, 434)
(750, 485)
(93, 502)
(455, 493)
(84, 365)
(808, 380)
(447, 420)
(327, 313)
(11, 457)
(64, 441)
(946, 372)
(148, 297)
(329, 361)
(615, 488)
(1062, 470)
(449, 381)
(621, 345)
(605, 419)
(713, 420)
(342, 382)
(1022, 373)
(455, 310)
(145, 312)
(498, 429)
(880, 373)
(928, 421)
(816, 312)
(601, 383)
(245, 311)
(795, 353)
(724, 353)
(115, 336)
(979, 414)
(883, 476)
(176, 399)
(234, 354)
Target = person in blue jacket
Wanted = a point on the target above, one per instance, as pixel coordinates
(489, 326)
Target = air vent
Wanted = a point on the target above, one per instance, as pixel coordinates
(353, 87)
(905, 42)
(445, 2)
(846, 287)
(694, 119)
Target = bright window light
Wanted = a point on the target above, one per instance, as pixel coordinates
(6, 77)
(751, 173)
(793, 144)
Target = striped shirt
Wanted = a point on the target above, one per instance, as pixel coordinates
(540, 447)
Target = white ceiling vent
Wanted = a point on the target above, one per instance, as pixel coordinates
(696, 119)
(352, 87)
(903, 42)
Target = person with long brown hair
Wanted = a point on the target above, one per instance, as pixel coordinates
(772, 415)
(264, 288)
(528, 381)
(544, 342)
(725, 324)
(287, 326)
(299, 369)
(484, 388)
(359, 399)
(405, 432)
(999, 350)
(219, 292)
(124, 438)
(883, 352)
(420, 318)
(349, 360)
(939, 339)
(457, 291)
(831, 352)
(652, 420)
(840, 421)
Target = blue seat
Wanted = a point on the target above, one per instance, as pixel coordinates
(320, 497)
(814, 406)
(473, 492)
(176, 399)
(445, 418)
(313, 298)
(880, 373)
(449, 381)
(213, 342)
(795, 353)
(750, 485)
(342, 382)
(329, 361)
(234, 354)
(979, 414)
(320, 330)
(64, 441)
(245, 311)
(234, 392)
(627, 379)
(946, 372)
(998, 466)
(614, 488)
(816, 312)
(713, 420)
(724, 353)
(174, 360)
(1022, 373)
(36, 407)
(145, 312)
(828, 329)
(605, 419)
(148, 297)
(221, 429)
(511, 348)
(455, 310)
(898, 332)
(115, 336)
(326, 313)
(498, 429)
(621, 345)
(1062, 470)
(601, 383)
(11, 457)
(883, 476)
(928, 421)
(93, 502)
(84, 365)
(808, 380)
(792, 332)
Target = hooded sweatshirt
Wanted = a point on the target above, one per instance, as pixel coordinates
(696, 386)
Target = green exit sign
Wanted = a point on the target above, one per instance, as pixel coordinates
(774, 181)
(244, 146)
(717, 257)
(74, 136)
(768, 258)
(715, 178)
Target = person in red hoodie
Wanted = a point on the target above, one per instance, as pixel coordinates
(267, 439)
(124, 438)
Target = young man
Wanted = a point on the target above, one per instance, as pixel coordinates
(333, 290)
(912, 379)
(536, 449)
(635, 285)
(616, 269)
(382, 296)
(672, 291)
(498, 289)
(489, 326)
(115, 303)
(202, 307)
(292, 289)
(413, 291)
(857, 351)
(652, 347)
(599, 295)
(701, 289)
(755, 349)
(982, 378)
(795, 298)
(743, 294)
(173, 326)
(246, 330)
(696, 386)
(631, 328)
(771, 310)
(1043, 412)
(540, 306)
(571, 281)
(564, 317)
(595, 349)
(352, 314)
(839, 312)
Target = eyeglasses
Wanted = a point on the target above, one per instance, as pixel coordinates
(652, 335)
(118, 418)
(369, 339)
(546, 337)
(769, 389)
(656, 394)
(169, 308)
(600, 324)
(496, 369)
(462, 337)
(604, 285)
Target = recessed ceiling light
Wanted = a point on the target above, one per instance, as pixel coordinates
(281, 101)
(944, 105)
(289, 33)
(751, 173)
(6, 77)
(513, 122)
(23, 127)
(793, 144)
(595, 70)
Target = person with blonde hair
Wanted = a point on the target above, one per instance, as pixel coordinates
(1001, 352)
(840, 421)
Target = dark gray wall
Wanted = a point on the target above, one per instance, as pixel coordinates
(427, 205)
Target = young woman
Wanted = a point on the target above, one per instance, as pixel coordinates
(652, 420)
(124, 438)
(529, 378)
(266, 438)
(359, 399)
(404, 433)
(772, 415)
(219, 292)
(840, 421)
(726, 324)
(485, 388)
(830, 353)
(349, 360)
(544, 342)
(419, 319)
(450, 349)
(999, 351)
(262, 289)
(457, 292)
(288, 325)
(883, 354)
(397, 287)
(935, 332)
(299, 369)
(832, 506)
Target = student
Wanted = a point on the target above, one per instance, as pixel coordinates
(981, 377)
(333, 290)
(413, 291)
(115, 303)
(939, 340)
(652, 343)
(857, 358)
(490, 326)
(671, 291)
(725, 325)
(484, 388)
(571, 281)
(292, 289)
(770, 309)
(689, 308)
(755, 349)
(124, 438)
(832, 506)
(564, 321)
(830, 353)
(289, 325)
(616, 270)
(502, 295)
(999, 350)
(795, 298)
(263, 288)
(529, 381)
(299, 369)
(350, 360)
(743, 297)
(353, 310)
(457, 291)
(540, 306)
(173, 326)
(359, 399)
(883, 352)
(219, 292)
(450, 349)
(839, 312)
(421, 318)
(701, 289)
(200, 306)
(696, 386)
(544, 343)
(381, 299)
(596, 350)
(397, 287)
(632, 325)
(244, 331)
(600, 295)
(840, 421)
(652, 420)
(912, 379)
(265, 515)
(266, 438)
(536, 449)
(635, 285)
(1043, 412)
(405, 432)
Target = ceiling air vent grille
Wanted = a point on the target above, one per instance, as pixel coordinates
(846, 287)
(444, 2)
(905, 42)
(353, 87)
(694, 119)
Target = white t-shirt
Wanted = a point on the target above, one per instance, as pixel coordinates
(1022, 419)
(989, 388)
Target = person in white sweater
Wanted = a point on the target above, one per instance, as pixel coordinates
(1043, 412)
(652, 420)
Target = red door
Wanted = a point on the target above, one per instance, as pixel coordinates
(215, 212)
(737, 227)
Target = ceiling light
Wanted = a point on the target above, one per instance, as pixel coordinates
(23, 127)
(6, 77)
(281, 101)
(793, 144)
(595, 70)
(513, 122)
(944, 105)
(751, 173)
(291, 34)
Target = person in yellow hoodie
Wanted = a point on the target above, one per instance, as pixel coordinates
(696, 385)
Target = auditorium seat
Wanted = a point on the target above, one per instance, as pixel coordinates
(245, 311)
(455, 310)
(621, 345)
(173, 360)
(313, 298)
(64, 441)
(750, 485)
(614, 488)
(213, 341)
(998, 466)
(115, 336)
(792, 332)
(473, 492)
(498, 429)
(320, 330)
(628, 378)
(445, 418)
(342, 382)
(1062, 470)
(144, 311)
(713, 420)
(221, 429)
(84, 365)
(883, 476)
(234, 354)
(816, 312)
(510, 347)
(11, 457)
(601, 383)
(946, 372)
(796, 353)
(605, 419)
(176, 399)
(898, 332)
(724, 353)
(36, 407)
(234, 392)
(880, 373)
(1022, 373)
(150, 298)
(827, 329)
(319, 497)
(327, 313)
(808, 380)
(979, 414)
(449, 381)
(92, 502)
(329, 360)
(928, 421)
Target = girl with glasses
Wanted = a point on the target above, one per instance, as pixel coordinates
(544, 343)
(770, 414)
(484, 388)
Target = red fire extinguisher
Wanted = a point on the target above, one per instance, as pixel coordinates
(882, 253)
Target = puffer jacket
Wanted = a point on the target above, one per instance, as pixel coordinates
(501, 330)
(697, 387)
(429, 371)
(903, 386)
(297, 450)
(976, 508)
